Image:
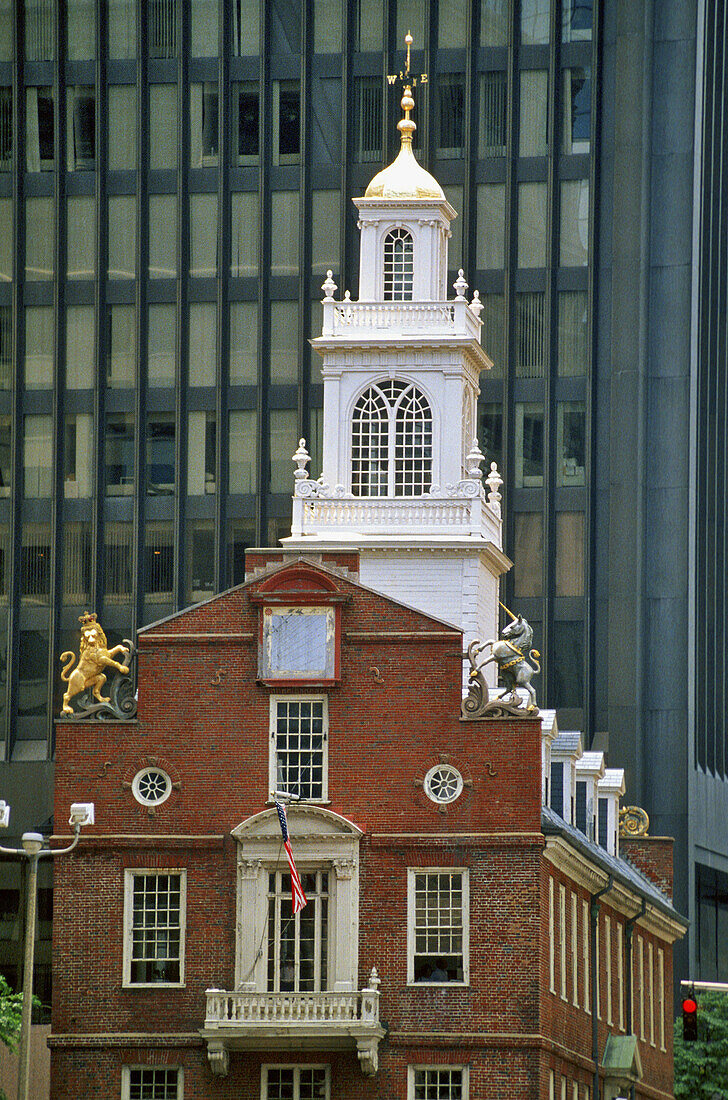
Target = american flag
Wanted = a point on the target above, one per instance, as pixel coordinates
(299, 898)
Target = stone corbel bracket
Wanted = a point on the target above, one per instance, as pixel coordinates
(219, 1059)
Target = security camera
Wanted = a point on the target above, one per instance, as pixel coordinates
(82, 813)
(4, 815)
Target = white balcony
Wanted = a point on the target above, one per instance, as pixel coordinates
(293, 1021)
(365, 320)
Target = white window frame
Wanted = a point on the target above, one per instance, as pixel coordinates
(273, 742)
(296, 1067)
(398, 270)
(393, 473)
(126, 1072)
(412, 872)
(651, 989)
(464, 1071)
(608, 966)
(586, 967)
(641, 971)
(620, 974)
(574, 951)
(267, 671)
(661, 995)
(129, 875)
(562, 940)
(274, 927)
(552, 939)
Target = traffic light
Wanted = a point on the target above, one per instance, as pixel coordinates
(690, 1019)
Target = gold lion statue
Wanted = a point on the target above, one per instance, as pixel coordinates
(94, 655)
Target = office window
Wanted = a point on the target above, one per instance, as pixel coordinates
(283, 432)
(241, 535)
(284, 233)
(81, 237)
(530, 347)
(6, 348)
(81, 30)
(76, 563)
(35, 563)
(529, 445)
(411, 17)
(246, 28)
(118, 557)
(162, 28)
(154, 927)
(576, 100)
(533, 130)
(437, 926)
(38, 456)
(568, 665)
(39, 30)
(6, 241)
(398, 266)
(570, 443)
(327, 26)
(144, 1083)
(203, 125)
(159, 570)
(494, 23)
(574, 230)
(162, 236)
(39, 239)
(711, 906)
(121, 16)
(286, 121)
(454, 195)
(122, 236)
(491, 432)
(450, 115)
(121, 372)
(576, 20)
(203, 344)
(78, 456)
(243, 462)
(160, 454)
(204, 28)
(528, 555)
(80, 127)
(569, 556)
(162, 125)
(535, 22)
(368, 105)
(121, 109)
(452, 25)
(80, 350)
(200, 560)
(6, 128)
(39, 344)
(493, 92)
(246, 133)
(39, 136)
(295, 1083)
(203, 236)
(437, 1083)
(162, 345)
(532, 221)
(491, 228)
(284, 342)
(493, 334)
(573, 334)
(245, 230)
(119, 454)
(299, 746)
(325, 218)
(391, 442)
(243, 343)
(201, 444)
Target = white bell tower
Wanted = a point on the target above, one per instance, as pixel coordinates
(401, 478)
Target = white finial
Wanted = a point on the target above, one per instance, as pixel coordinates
(347, 295)
(301, 458)
(476, 305)
(494, 482)
(329, 286)
(460, 286)
(374, 979)
(473, 460)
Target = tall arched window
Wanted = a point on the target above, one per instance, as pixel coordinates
(398, 266)
(391, 442)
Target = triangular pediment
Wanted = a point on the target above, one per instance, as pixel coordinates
(304, 822)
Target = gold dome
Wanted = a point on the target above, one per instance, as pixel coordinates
(404, 178)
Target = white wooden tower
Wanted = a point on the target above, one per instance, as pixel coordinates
(401, 479)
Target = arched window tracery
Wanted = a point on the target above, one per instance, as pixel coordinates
(398, 266)
(391, 441)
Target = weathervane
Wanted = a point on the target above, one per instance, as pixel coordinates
(407, 79)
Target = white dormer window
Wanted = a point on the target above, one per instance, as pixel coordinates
(391, 442)
(398, 266)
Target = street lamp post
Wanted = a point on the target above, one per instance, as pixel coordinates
(82, 813)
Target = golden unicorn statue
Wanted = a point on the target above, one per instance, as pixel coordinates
(94, 656)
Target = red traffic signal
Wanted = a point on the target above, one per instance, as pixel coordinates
(690, 1019)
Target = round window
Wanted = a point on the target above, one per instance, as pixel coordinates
(151, 786)
(443, 783)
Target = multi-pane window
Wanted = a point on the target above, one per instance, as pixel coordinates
(398, 266)
(368, 101)
(438, 1083)
(144, 1083)
(438, 902)
(450, 115)
(154, 928)
(299, 734)
(298, 942)
(391, 445)
(295, 1083)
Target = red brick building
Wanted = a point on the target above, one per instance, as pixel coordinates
(461, 939)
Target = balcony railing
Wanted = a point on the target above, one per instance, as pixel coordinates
(296, 1021)
(362, 320)
(464, 516)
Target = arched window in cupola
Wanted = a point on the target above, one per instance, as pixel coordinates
(391, 442)
(398, 266)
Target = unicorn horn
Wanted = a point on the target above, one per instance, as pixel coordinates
(514, 617)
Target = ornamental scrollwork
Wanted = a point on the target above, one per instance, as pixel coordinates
(513, 655)
(633, 821)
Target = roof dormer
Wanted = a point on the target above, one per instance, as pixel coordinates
(611, 788)
(565, 751)
(589, 770)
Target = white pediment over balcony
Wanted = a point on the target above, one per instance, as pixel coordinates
(305, 823)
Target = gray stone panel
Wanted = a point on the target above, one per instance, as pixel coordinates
(669, 340)
(672, 203)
